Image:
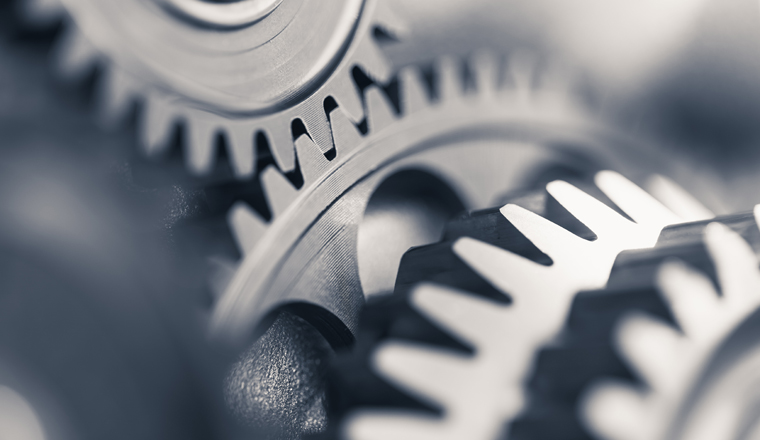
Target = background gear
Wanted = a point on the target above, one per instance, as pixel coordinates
(265, 80)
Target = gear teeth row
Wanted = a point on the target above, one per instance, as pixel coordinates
(76, 57)
(311, 158)
(516, 292)
(635, 288)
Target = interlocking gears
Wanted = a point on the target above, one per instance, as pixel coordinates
(305, 83)
(485, 128)
(253, 72)
(480, 393)
(672, 361)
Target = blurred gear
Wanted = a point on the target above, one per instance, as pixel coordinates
(672, 361)
(567, 374)
(250, 74)
(480, 392)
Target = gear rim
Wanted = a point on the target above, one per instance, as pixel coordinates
(522, 110)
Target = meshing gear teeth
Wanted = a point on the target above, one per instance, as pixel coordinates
(266, 81)
(320, 105)
(479, 140)
(481, 392)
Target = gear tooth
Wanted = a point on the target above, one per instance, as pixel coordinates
(40, 12)
(400, 424)
(421, 370)
(634, 201)
(157, 122)
(560, 244)
(520, 73)
(280, 139)
(318, 126)
(677, 199)
(280, 193)
(614, 410)
(370, 59)
(246, 225)
(489, 262)
(413, 96)
(311, 160)
(348, 98)
(486, 66)
(600, 218)
(652, 347)
(75, 56)
(117, 92)
(345, 135)
(557, 84)
(241, 149)
(200, 144)
(222, 272)
(450, 82)
(466, 315)
(379, 110)
(385, 18)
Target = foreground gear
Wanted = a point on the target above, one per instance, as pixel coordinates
(663, 322)
(511, 305)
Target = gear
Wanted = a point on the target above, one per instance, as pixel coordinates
(252, 70)
(671, 361)
(481, 392)
(480, 127)
(565, 372)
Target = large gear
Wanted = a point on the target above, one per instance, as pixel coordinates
(489, 127)
(481, 392)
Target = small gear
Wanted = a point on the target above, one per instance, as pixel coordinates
(671, 360)
(250, 72)
(479, 393)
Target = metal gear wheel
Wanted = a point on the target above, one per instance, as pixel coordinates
(661, 323)
(679, 402)
(248, 71)
(481, 391)
(479, 128)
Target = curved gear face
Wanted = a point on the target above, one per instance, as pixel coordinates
(671, 362)
(271, 72)
(480, 141)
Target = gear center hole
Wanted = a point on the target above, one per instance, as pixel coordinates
(409, 208)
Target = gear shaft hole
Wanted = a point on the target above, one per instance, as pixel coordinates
(409, 208)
